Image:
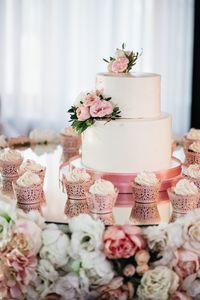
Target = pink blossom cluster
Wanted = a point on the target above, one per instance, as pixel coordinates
(92, 105)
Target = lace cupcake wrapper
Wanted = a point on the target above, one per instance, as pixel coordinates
(101, 204)
(76, 190)
(28, 195)
(192, 157)
(183, 203)
(70, 143)
(145, 194)
(10, 169)
(145, 214)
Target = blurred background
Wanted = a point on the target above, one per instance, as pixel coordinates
(50, 50)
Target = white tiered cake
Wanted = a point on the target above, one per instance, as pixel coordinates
(141, 139)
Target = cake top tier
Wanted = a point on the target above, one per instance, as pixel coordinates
(129, 75)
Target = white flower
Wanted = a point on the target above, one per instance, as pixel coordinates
(158, 284)
(96, 267)
(32, 215)
(5, 232)
(119, 53)
(87, 234)
(55, 246)
(8, 208)
(46, 270)
(38, 288)
(69, 287)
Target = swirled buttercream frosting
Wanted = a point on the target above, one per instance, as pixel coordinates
(195, 147)
(194, 134)
(185, 187)
(31, 165)
(76, 175)
(28, 179)
(69, 131)
(146, 178)
(102, 187)
(3, 142)
(10, 155)
(192, 171)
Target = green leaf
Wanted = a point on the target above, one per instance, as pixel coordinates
(105, 60)
(123, 46)
(6, 217)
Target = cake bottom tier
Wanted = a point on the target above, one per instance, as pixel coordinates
(128, 145)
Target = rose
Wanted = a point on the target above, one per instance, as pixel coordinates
(142, 257)
(47, 271)
(55, 246)
(120, 53)
(129, 270)
(180, 296)
(82, 113)
(120, 65)
(122, 241)
(32, 233)
(90, 98)
(116, 292)
(5, 232)
(141, 269)
(157, 284)
(101, 108)
(187, 263)
(87, 234)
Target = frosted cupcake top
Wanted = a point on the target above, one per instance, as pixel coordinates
(146, 178)
(69, 131)
(28, 179)
(3, 142)
(31, 165)
(10, 155)
(185, 187)
(102, 187)
(77, 175)
(194, 134)
(192, 171)
(195, 147)
(42, 136)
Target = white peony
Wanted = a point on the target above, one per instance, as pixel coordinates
(38, 288)
(55, 246)
(46, 270)
(119, 53)
(157, 284)
(87, 234)
(96, 268)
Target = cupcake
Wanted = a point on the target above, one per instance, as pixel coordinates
(20, 141)
(31, 165)
(3, 142)
(192, 172)
(192, 154)
(184, 196)
(28, 190)
(70, 140)
(10, 160)
(145, 187)
(192, 136)
(42, 136)
(102, 197)
(77, 182)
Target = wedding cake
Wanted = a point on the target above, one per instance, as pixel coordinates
(140, 139)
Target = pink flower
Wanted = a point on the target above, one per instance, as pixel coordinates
(180, 296)
(89, 99)
(142, 257)
(187, 263)
(101, 108)
(122, 241)
(120, 65)
(129, 270)
(82, 113)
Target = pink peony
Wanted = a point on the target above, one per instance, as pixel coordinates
(89, 99)
(120, 65)
(180, 296)
(101, 108)
(122, 241)
(187, 263)
(82, 113)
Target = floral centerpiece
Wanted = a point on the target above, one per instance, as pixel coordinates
(90, 107)
(123, 61)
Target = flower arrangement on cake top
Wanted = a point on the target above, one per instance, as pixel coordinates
(123, 61)
(92, 106)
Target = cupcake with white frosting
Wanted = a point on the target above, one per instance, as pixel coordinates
(31, 165)
(192, 153)
(192, 172)
(101, 199)
(42, 136)
(77, 182)
(10, 160)
(28, 189)
(192, 136)
(184, 196)
(145, 187)
(3, 142)
(70, 140)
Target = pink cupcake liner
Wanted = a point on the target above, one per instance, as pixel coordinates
(101, 204)
(28, 207)
(75, 207)
(107, 219)
(7, 184)
(145, 214)
(10, 168)
(196, 181)
(182, 203)
(67, 155)
(145, 194)
(70, 143)
(192, 157)
(28, 195)
(77, 190)
(187, 142)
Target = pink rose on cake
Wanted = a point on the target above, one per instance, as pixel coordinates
(90, 98)
(120, 65)
(82, 113)
(122, 241)
(101, 108)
